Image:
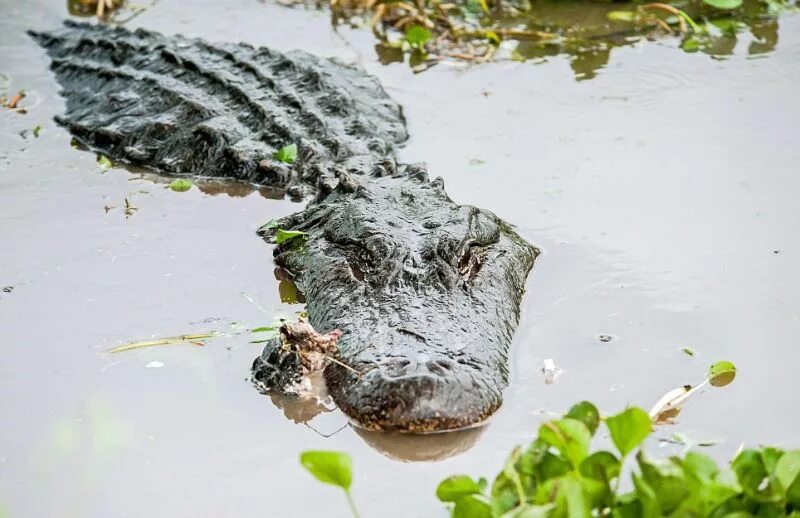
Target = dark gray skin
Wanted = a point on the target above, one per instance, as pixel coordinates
(426, 292)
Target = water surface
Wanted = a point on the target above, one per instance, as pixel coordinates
(662, 192)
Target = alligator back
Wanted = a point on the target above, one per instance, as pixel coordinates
(186, 107)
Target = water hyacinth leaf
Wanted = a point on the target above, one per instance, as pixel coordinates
(569, 436)
(180, 185)
(754, 477)
(667, 480)
(530, 511)
(282, 236)
(629, 428)
(417, 36)
(724, 4)
(601, 465)
(721, 373)
(330, 467)
(787, 469)
(621, 16)
(472, 506)
(286, 154)
(455, 487)
(586, 413)
(699, 466)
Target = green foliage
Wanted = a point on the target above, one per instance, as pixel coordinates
(331, 467)
(282, 235)
(721, 373)
(104, 162)
(286, 154)
(724, 4)
(628, 429)
(180, 185)
(559, 476)
(417, 36)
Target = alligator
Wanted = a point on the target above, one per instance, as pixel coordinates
(423, 294)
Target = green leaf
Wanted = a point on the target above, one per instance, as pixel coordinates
(569, 436)
(453, 488)
(180, 185)
(104, 162)
(568, 495)
(723, 4)
(493, 38)
(282, 236)
(417, 36)
(271, 224)
(688, 351)
(787, 471)
(286, 154)
(530, 511)
(621, 16)
(472, 506)
(753, 476)
(667, 480)
(36, 131)
(628, 429)
(601, 465)
(721, 373)
(586, 413)
(330, 467)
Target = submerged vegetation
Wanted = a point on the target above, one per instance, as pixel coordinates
(479, 30)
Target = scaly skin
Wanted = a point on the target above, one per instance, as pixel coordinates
(426, 292)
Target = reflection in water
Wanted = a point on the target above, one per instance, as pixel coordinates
(588, 37)
(425, 447)
(288, 291)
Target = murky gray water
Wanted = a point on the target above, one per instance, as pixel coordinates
(663, 193)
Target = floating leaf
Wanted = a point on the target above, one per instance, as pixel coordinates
(104, 162)
(688, 351)
(586, 413)
(721, 373)
(180, 185)
(629, 428)
(285, 235)
(36, 131)
(286, 154)
(621, 16)
(455, 487)
(569, 436)
(472, 506)
(331, 467)
(417, 36)
(492, 37)
(724, 4)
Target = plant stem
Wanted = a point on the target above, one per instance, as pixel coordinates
(352, 504)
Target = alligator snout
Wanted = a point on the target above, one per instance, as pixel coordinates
(418, 394)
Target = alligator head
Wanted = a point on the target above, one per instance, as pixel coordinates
(425, 291)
